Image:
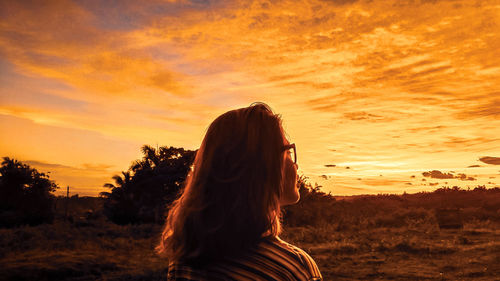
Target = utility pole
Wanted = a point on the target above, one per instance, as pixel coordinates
(67, 202)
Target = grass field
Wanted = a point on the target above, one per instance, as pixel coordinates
(418, 253)
(99, 250)
(383, 237)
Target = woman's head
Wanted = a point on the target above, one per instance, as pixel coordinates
(241, 176)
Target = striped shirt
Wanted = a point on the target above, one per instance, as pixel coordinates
(272, 259)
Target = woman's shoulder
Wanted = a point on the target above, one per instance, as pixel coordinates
(271, 259)
(295, 254)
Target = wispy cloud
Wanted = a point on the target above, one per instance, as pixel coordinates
(85, 179)
(396, 82)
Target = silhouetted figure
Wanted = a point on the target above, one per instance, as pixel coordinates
(225, 225)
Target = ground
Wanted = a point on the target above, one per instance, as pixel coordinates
(100, 250)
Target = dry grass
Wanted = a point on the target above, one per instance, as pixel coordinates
(373, 238)
(103, 251)
(425, 253)
(64, 251)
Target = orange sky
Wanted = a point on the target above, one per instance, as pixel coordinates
(390, 89)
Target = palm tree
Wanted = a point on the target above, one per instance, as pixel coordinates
(149, 161)
(143, 192)
(120, 184)
(120, 205)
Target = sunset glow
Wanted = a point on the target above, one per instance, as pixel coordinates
(373, 93)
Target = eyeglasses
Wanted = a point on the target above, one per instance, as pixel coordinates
(293, 152)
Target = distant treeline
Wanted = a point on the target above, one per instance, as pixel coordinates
(317, 208)
(143, 193)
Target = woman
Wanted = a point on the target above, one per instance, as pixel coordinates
(225, 225)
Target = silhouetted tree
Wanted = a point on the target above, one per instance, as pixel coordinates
(120, 206)
(149, 185)
(25, 194)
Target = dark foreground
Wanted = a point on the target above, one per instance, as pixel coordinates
(99, 250)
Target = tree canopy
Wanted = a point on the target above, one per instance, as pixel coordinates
(142, 193)
(25, 194)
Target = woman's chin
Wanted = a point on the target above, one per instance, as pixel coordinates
(291, 200)
(298, 199)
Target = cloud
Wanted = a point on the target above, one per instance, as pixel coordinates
(161, 70)
(474, 166)
(86, 179)
(440, 175)
(458, 142)
(39, 93)
(464, 177)
(98, 167)
(431, 129)
(410, 71)
(361, 115)
(85, 167)
(45, 165)
(488, 107)
(490, 160)
(381, 182)
(99, 62)
(340, 2)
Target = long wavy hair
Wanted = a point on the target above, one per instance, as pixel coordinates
(231, 195)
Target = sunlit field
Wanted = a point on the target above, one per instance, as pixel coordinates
(416, 252)
(401, 241)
